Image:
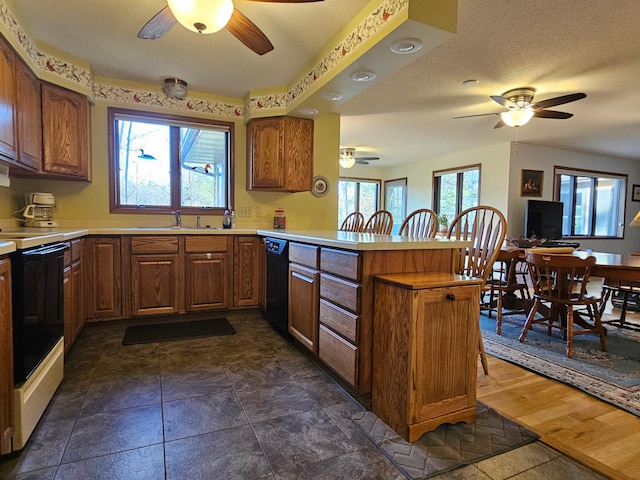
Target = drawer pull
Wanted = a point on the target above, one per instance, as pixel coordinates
(451, 296)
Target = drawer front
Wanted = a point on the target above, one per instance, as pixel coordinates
(339, 320)
(302, 254)
(154, 244)
(341, 292)
(205, 243)
(338, 354)
(339, 262)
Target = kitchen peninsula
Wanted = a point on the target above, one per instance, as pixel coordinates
(331, 290)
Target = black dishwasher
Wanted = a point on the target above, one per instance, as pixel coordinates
(276, 311)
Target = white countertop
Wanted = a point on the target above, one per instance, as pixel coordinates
(31, 237)
(363, 241)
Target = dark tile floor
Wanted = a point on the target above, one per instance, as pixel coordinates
(245, 406)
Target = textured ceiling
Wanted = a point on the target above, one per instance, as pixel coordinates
(556, 47)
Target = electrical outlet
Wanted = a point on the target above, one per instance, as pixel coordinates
(244, 211)
(258, 211)
(55, 209)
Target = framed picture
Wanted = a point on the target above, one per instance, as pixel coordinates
(635, 193)
(531, 184)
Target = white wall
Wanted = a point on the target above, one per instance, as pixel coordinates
(534, 157)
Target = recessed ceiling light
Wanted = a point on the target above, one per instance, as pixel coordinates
(472, 82)
(308, 111)
(332, 96)
(406, 46)
(363, 76)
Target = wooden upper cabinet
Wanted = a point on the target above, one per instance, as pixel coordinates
(280, 154)
(8, 126)
(29, 117)
(65, 118)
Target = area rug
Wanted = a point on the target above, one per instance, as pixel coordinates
(166, 332)
(449, 446)
(612, 376)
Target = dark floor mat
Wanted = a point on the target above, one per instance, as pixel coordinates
(166, 332)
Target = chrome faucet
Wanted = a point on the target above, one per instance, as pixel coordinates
(176, 213)
(198, 222)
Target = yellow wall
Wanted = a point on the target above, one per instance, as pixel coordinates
(87, 204)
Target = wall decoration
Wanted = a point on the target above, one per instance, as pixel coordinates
(320, 186)
(531, 183)
(635, 193)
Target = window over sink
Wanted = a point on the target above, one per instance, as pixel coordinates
(159, 163)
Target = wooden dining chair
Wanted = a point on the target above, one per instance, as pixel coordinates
(617, 290)
(506, 294)
(380, 222)
(561, 280)
(485, 227)
(420, 223)
(354, 222)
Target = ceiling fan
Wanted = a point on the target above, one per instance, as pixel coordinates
(348, 158)
(521, 109)
(210, 16)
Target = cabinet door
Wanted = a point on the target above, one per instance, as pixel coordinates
(245, 271)
(8, 126)
(29, 117)
(6, 358)
(206, 281)
(265, 149)
(77, 320)
(67, 287)
(303, 305)
(155, 284)
(103, 288)
(65, 119)
(446, 333)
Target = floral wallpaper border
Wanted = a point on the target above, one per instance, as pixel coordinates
(373, 23)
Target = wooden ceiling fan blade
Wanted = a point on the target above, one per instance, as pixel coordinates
(159, 24)
(368, 158)
(477, 115)
(505, 102)
(552, 114)
(500, 124)
(248, 33)
(552, 102)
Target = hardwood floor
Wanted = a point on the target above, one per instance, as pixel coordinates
(595, 433)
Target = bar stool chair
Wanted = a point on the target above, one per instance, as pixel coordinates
(380, 222)
(354, 222)
(560, 281)
(420, 223)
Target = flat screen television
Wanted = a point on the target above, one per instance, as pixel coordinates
(543, 219)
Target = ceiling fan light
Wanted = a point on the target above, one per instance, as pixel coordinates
(347, 157)
(517, 117)
(202, 16)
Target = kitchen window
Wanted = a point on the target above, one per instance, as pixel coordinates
(357, 195)
(593, 202)
(455, 190)
(161, 163)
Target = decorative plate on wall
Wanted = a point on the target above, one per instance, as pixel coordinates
(320, 186)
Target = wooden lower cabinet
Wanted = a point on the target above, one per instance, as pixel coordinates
(303, 305)
(425, 351)
(246, 261)
(103, 278)
(73, 294)
(206, 281)
(6, 358)
(155, 284)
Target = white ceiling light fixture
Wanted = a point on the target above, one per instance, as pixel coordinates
(332, 96)
(202, 16)
(406, 46)
(311, 112)
(347, 157)
(363, 76)
(517, 117)
(174, 87)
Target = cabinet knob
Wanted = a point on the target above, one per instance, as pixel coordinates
(451, 296)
